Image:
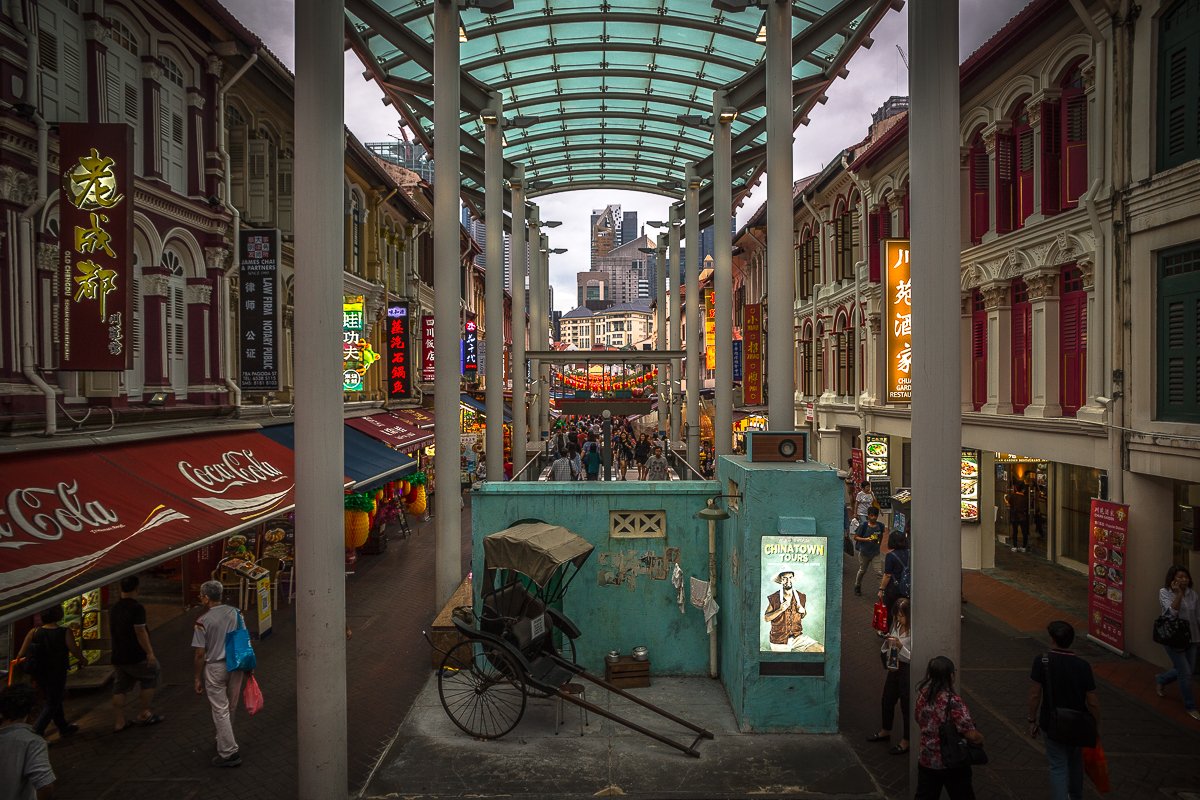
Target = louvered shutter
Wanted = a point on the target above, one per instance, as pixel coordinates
(1179, 87)
(1075, 156)
(1025, 144)
(135, 376)
(171, 149)
(72, 78)
(1073, 350)
(979, 361)
(258, 199)
(1179, 335)
(979, 191)
(48, 62)
(177, 338)
(285, 203)
(1022, 355)
(1051, 147)
(1005, 176)
(873, 249)
(237, 166)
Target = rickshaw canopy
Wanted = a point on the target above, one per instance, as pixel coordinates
(535, 549)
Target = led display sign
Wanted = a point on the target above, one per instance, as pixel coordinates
(399, 378)
(357, 353)
(897, 308)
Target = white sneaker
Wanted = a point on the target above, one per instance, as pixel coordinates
(1194, 714)
(1016, 549)
(1023, 549)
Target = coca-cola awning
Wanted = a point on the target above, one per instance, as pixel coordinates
(74, 519)
(389, 429)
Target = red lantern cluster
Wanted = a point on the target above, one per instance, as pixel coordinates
(605, 383)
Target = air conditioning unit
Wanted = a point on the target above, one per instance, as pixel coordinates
(785, 446)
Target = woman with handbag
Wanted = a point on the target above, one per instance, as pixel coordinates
(895, 655)
(49, 645)
(1179, 600)
(937, 705)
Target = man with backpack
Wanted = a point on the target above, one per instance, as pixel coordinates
(867, 536)
(897, 574)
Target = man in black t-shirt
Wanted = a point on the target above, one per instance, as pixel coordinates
(132, 656)
(1062, 681)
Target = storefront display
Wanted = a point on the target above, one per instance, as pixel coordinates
(81, 616)
(969, 486)
(1109, 526)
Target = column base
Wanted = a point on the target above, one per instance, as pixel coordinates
(1043, 411)
(996, 408)
(1093, 413)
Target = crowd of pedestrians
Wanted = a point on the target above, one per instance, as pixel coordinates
(578, 450)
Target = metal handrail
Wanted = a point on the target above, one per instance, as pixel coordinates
(521, 471)
(691, 469)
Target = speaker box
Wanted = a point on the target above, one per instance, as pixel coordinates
(786, 446)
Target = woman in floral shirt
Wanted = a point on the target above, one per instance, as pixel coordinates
(936, 700)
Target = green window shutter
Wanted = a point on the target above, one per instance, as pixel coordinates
(1179, 334)
(1179, 85)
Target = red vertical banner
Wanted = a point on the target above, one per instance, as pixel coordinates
(95, 245)
(752, 394)
(427, 356)
(1108, 524)
(399, 378)
(857, 467)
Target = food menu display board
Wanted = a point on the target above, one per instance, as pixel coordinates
(969, 486)
(857, 466)
(1108, 524)
(875, 452)
(81, 616)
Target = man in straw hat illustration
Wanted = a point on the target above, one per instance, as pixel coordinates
(786, 611)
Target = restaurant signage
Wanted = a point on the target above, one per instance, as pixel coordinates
(1109, 526)
(399, 380)
(357, 353)
(737, 360)
(710, 330)
(968, 507)
(876, 453)
(427, 353)
(95, 245)
(258, 309)
(897, 295)
(752, 394)
(470, 348)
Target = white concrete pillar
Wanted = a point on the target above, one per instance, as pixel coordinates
(723, 275)
(520, 268)
(320, 552)
(493, 200)
(997, 298)
(542, 333)
(535, 313)
(660, 338)
(781, 364)
(693, 314)
(933, 143)
(673, 321)
(1045, 371)
(447, 264)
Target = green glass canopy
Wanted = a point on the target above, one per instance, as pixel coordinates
(597, 89)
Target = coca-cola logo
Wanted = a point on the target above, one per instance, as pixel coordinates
(45, 515)
(235, 468)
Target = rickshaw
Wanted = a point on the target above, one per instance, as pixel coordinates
(520, 644)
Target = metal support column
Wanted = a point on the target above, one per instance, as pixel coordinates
(781, 383)
(535, 313)
(933, 146)
(520, 266)
(673, 324)
(660, 339)
(448, 267)
(542, 340)
(320, 553)
(693, 314)
(723, 276)
(493, 289)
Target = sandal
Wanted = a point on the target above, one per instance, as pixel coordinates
(897, 750)
(880, 737)
(153, 719)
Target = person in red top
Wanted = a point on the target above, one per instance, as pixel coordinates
(937, 700)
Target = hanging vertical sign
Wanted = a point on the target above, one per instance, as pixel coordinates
(357, 353)
(752, 394)
(737, 361)
(897, 295)
(95, 245)
(968, 506)
(470, 348)
(258, 309)
(710, 330)
(399, 379)
(427, 354)
(1109, 526)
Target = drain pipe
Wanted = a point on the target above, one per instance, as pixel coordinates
(226, 313)
(26, 242)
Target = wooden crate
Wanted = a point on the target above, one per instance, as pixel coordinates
(627, 673)
(443, 633)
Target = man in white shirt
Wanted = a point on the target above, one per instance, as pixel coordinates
(223, 688)
(25, 772)
(863, 501)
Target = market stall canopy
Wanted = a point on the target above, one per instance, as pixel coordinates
(393, 430)
(368, 461)
(607, 95)
(481, 409)
(535, 549)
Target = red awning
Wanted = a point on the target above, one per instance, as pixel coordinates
(391, 430)
(73, 519)
(414, 417)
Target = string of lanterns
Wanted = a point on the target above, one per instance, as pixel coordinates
(603, 383)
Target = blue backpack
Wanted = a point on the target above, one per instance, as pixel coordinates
(904, 583)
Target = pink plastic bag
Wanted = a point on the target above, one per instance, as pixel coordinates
(252, 696)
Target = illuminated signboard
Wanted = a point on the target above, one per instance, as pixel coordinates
(95, 245)
(737, 360)
(399, 379)
(470, 348)
(897, 296)
(357, 353)
(969, 479)
(427, 370)
(710, 330)
(792, 594)
(258, 309)
(876, 452)
(752, 394)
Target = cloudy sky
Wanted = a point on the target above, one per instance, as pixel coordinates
(875, 75)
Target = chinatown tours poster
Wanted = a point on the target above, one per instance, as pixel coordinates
(792, 594)
(1109, 533)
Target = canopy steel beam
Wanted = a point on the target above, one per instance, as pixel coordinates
(633, 186)
(530, 155)
(517, 140)
(659, 76)
(609, 46)
(638, 162)
(633, 97)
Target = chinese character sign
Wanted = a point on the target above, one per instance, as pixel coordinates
(258, 309)
(399, 378)
(897, 323)
(95, 244)
(1109, 525)
(357, 353)
(737, 359)
(470, 349)
(710, 330)
(427, 352)
(752, 394)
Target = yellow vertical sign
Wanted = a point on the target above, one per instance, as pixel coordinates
(710, 330)
(897, 293)
(263, 587)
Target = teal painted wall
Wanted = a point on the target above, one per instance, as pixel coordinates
(616, 600)
(788, 499)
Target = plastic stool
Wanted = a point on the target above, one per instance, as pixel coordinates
(576, 690)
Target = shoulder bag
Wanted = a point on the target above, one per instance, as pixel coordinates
(956, 750)
(1172, 631)
(1068, 726)
(239, 655)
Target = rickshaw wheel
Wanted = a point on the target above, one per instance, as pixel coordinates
(481, 689)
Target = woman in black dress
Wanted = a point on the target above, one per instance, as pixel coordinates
(640, 454)
(53, 643)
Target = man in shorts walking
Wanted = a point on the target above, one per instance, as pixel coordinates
(132, 657)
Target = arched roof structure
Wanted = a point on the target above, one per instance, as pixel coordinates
(605, 82)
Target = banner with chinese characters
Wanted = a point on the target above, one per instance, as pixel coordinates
(95, 245)
(737, 360)
(258, 309)
(710, 330)
(1109, 526)
(897, 311)
(427, 354)
(752, 394)
(470, 348)
(399, 380)
(357, 353)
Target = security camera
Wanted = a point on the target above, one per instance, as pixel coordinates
(1102, 400)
